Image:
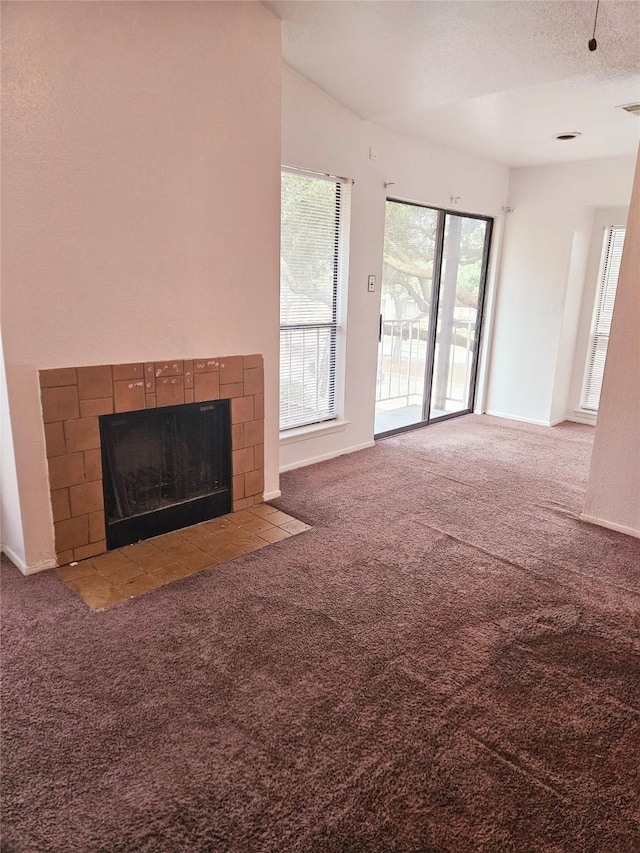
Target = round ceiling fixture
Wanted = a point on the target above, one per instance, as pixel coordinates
(570, 134)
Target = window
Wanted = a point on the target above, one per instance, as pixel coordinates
(313, 274)
(602, 314)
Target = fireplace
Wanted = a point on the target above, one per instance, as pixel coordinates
(74, 399)
(165, 469)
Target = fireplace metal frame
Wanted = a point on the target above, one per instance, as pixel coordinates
(182, 513)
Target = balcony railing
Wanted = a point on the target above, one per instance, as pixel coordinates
(402, 356)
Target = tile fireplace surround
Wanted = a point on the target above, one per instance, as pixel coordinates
(74, 397)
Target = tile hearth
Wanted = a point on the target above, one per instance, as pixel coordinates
(115, 576)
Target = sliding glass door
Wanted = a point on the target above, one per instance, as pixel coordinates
(435, 265)
(410, 247)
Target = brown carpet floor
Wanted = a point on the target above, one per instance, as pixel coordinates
(448, 661)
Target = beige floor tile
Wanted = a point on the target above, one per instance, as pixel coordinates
(262, 510)
(80, 570)
(242, 517)
(111, 559)
(249, 547)
(213, 547)
(119, 574)
(242, 539)
(168, 541)
(221, 523)
(166, 574)
(100, 601)
(223, 552)
(210, 542)
(136, 586)
(274, 534)
(230, 534)
(199, 560)
(200, 536)
(280, 518)
(96, 591)
(190, 555)
(155, 561)
(141, 550)
(176, 551)
(212, 536)
(258, 525)
(294, 526)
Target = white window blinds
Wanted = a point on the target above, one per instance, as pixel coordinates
(602, 315)
(313, 261)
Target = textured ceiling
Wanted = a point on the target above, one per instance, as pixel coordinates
(497, 79)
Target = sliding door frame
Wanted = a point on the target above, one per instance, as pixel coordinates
(433, 315)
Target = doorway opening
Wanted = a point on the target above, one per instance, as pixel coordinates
(433, 285)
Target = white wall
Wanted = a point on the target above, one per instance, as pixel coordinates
(320, 134)
(613, 491)
(11, 538)
(574, 296)
(544, 261)
(603, 219)
(141, 185)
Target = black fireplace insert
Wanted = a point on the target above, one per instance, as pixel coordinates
(164, 469)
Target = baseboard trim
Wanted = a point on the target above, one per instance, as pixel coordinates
(271, 496)
(24, 568)
(523, 420)
(15, 559)
(611, 525)
(313, 460)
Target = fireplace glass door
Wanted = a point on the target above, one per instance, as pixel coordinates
(164, 469)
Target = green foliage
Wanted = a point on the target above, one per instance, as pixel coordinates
(308, 234)
(409, 251)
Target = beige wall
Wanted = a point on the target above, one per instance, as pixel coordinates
(613, 493)
(140, 210)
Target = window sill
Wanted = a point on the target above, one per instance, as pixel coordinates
(290, 436)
